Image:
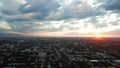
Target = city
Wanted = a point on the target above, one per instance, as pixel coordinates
(59, 33)
(59, 52)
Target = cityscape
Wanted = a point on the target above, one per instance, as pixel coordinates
(59, 52)
(59, 33)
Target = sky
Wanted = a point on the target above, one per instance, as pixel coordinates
(79, 18)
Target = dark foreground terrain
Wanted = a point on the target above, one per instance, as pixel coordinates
(43, 52)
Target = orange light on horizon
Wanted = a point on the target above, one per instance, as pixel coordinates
(98, 36)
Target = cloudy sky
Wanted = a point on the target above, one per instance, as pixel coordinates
(60, 17)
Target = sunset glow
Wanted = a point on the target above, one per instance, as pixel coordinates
(67, 18)
(98, 36)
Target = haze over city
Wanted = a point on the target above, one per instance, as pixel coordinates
(71, 18)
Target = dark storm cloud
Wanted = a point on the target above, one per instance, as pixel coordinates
(16, 20)
(9, 7)
(8, 12)
(79, 10)
(40, 8)
(47, 10)
(112, 5)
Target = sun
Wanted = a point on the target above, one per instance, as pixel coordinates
(98, 36)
